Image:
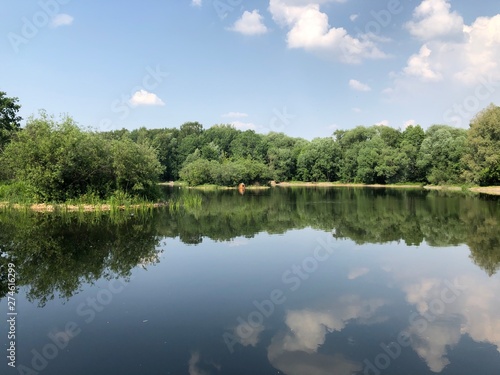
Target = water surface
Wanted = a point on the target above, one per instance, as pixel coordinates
(281, 281)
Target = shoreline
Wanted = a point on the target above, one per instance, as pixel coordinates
(61, 207)
(490, 190)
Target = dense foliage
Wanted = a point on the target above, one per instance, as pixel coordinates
(10, 121)
(57, 161)
(224, 155)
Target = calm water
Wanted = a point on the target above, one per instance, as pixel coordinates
(282, 281)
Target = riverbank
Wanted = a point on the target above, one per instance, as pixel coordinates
(45, 207)
(492, 190)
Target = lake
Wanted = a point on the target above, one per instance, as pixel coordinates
(280, 281)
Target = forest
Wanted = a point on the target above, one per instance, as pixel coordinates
(57, 160)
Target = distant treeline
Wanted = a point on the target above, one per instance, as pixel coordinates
(51, 160)
(224, 155)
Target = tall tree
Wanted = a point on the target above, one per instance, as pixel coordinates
(482, 157)
(441, 153)
(10, 121)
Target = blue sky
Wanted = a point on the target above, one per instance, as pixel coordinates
(302, 67)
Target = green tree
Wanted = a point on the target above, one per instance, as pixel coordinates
(441, 153)
(482, 156)
(411, 140)
(350, 142)
(136, 167)
(59, 161)
(10, 121)
(248, 144)
(319, 160)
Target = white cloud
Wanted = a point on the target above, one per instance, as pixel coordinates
(142, 97)
(235, 114)
(452, 51)
(353, 17)
(309, 29)
(382, 123)
(409, 123)
(196, 3)
(244, 125)
(474, 311)
(61, 19)
(419, 65)
(432, 19)
(248, 335)
(193, 365)
(358, 86)
(357, 272)
(250, 23)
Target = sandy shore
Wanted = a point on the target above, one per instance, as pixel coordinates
(336, 184)
(42, 207)
(493, 190)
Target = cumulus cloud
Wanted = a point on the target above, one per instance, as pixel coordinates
(357, 272)
(248, 335)
(309, 29)
(295, 351)
(472, 311)
(453, 51)
(193, 365)
(61, 19)
(358, 86)
(432, 19)
(419, 65)
(250, 23)
(235, 114)
(382, 123)
(196, 3)
(145, 98)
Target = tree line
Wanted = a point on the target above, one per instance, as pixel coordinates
(224, 155)
(59, 160)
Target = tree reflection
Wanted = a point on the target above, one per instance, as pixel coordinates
(55, 254)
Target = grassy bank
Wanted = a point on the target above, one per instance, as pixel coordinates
(492, 190)
(19, 197)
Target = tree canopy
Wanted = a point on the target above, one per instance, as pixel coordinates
(10, 121)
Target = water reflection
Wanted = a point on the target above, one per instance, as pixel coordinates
(402, 266)
(54, 255)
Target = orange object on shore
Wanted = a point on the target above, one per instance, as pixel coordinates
(241, 188)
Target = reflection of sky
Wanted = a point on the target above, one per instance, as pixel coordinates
(172, 316)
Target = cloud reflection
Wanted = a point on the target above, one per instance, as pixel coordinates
(295, 351)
